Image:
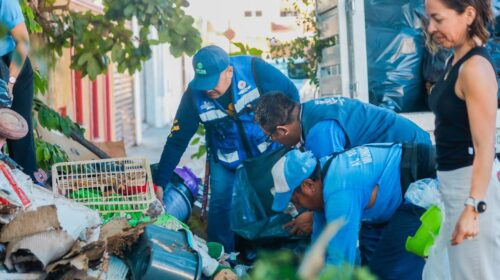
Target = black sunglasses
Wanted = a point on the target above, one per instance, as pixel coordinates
(269, 138)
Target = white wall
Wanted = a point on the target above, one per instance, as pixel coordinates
(162, 86)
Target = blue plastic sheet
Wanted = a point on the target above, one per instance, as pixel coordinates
(394, 14)
(395, 51)
(395, 59)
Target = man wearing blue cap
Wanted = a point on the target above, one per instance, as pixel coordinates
(362, 184)
(328, 125)
(222, 96)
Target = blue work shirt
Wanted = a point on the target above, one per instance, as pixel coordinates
(10, 16)
(353, 123)
(187, 118)
(347, 189)
(325, 138)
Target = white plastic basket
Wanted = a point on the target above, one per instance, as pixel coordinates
(109, 186)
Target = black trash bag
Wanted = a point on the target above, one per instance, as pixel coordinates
(5, 100)
(394, 14)
(251, 215)
(395, 68)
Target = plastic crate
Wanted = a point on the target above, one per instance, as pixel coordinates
(121, 185)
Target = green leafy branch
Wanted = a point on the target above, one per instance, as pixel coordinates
(52, 120)
(98, 39)
(244, 49)
(48, 154)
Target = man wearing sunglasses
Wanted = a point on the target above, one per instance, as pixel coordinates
(329, 125)
(222, 96)
(332, 124)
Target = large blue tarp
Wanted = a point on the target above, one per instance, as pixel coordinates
(395, 59)
(394, 14)
(395, 53)
(400, 68)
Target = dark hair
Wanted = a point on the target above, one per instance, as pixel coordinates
(274, 109)
(484, 16)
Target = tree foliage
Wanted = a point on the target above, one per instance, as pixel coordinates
(244, 49)
(97, 39)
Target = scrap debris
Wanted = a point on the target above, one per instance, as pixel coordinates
(46, 235)
(120, 236)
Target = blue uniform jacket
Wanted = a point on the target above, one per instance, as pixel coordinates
(337, 123)
(187, 117)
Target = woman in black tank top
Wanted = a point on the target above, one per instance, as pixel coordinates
(464, 101)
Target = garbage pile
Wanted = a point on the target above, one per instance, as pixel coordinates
(44, 235)
(97, 223)
(47, 236)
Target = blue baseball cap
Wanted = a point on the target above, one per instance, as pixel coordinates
(288, 174)
(208, 63)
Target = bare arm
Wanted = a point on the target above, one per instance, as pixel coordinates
(477, 85)
(21, 37)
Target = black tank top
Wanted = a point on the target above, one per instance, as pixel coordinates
(454, 148)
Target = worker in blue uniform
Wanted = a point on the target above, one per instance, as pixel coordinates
(222, 96)
(360, 185)
(332, 124)
(328, 125)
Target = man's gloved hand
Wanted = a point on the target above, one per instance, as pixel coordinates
(301, 225)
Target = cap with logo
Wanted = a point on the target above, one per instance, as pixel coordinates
(288, 174)
(208, 63)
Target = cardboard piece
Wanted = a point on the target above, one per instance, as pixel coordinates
(54, 234)
(115, 149)
(43, 247)
(73, 149)
(120, 236)
(80, 259)
(41, 220)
